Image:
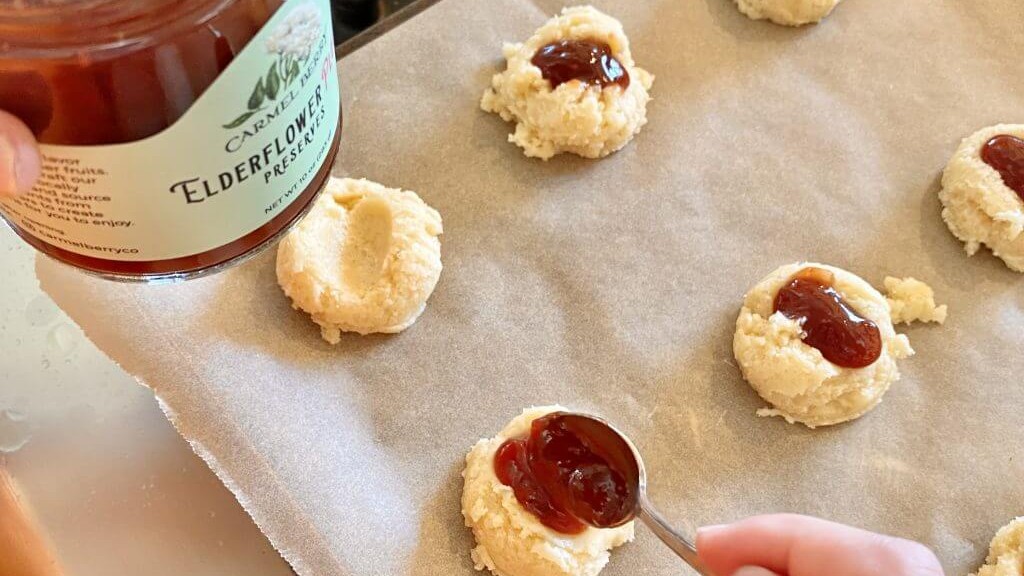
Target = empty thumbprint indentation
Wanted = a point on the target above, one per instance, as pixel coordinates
(367, 243)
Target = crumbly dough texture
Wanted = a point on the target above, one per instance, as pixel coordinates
(365, 259)
(979, 208)
(1006, 553)
(911, 300)
(788, 12)
(794, 377)
(585, 120)
(510, 540)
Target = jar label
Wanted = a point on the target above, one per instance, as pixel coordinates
(244, 151)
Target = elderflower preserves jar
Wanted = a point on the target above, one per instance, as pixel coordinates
(177, 136)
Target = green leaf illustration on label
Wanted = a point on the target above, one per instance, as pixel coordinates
(240, 120)
(273, 82)
(259, 94)
(282, 65)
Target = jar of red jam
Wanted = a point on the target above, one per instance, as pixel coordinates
(177, 136)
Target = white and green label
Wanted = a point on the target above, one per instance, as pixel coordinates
(244, 151)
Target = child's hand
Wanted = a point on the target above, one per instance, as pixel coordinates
(792, 545)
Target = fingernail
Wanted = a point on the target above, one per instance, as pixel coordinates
(8, 171)
(27, 166)
(753, 571)
(19, 165)
(711, 530)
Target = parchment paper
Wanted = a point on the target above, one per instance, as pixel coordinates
(613, 286)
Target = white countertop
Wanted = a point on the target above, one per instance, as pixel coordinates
(113, 488)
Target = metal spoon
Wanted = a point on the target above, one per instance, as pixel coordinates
(624, 456)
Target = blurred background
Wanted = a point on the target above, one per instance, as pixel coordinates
(353, 16)
(94, 481)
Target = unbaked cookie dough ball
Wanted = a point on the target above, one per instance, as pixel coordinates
(365, 259)
(1006, 553)
(983, 193)
(572, 87)
(511, 541)
(788, 12)
(818, 344)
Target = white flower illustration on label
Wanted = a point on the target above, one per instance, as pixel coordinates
(297, 34)
(292, 40)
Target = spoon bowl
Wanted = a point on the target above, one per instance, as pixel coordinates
(624, 457)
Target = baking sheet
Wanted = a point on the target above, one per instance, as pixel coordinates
(613, 286)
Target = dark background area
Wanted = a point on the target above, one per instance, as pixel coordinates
(354, 16)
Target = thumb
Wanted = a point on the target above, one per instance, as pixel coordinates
(805, 546)
(19, 156)
(754, 571)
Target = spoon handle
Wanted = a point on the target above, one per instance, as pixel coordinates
(674, 540)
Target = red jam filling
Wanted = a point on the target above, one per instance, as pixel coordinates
(1006, 155)
(564, 477)
(584, 60)
(843, 336)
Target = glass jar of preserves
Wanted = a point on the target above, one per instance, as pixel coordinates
(177, 136)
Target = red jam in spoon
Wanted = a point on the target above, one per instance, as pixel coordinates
(565, 477)
(1005, 154)
(584, 60)
(843, 336)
